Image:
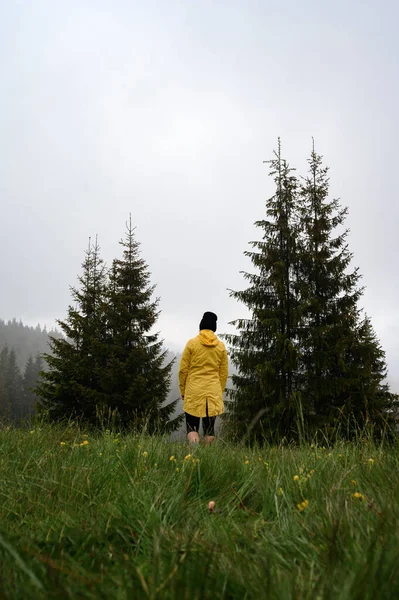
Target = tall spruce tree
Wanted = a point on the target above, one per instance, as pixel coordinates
(329, 294)
(306, 357)
(71, 386)
(342, 362)
(265, 351)
(136, 379)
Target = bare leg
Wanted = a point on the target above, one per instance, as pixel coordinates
(209, 439)
(193, 437)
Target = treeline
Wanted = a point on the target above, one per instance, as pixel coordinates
(21, 348)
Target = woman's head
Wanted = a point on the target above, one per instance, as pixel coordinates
(208, 321)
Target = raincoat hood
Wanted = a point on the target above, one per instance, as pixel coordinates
(208, 337)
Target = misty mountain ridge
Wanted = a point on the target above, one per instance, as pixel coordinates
(26, 341)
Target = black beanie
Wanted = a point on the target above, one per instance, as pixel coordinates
(208, 321)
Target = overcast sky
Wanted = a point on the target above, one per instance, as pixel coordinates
(167, 110)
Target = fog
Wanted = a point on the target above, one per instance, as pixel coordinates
(167, 111)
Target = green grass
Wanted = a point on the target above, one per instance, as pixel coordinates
(116, 518)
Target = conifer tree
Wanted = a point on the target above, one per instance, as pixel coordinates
(71, 386)
(329, 294)
(5, 408)
(369, 400)
(305, 356)
(136, 380)
(11, 394)
(29, 382)
(14, 386)
(265, 350)
(342, 362)
(31, 378)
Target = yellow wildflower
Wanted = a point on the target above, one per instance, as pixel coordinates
(172, 459)
(177, 470)
(266, 464)
(358, 496)
(302, 505)
(187, 457)
(280, 491)
(260, 458)
(371, 461)
(296, 477)
(85, 443)
(247, 462)
(354, 482)
(145, 454)
(62, 443)
(156, 464)
(101, 453)
(32, 432)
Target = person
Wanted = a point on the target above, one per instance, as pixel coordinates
(203, 373)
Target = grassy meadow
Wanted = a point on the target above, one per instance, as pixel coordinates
(126, 517)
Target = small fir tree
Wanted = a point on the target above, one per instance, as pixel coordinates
(71, 386)
(368, 399)
(137, 378)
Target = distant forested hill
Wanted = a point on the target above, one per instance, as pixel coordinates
(26, 341)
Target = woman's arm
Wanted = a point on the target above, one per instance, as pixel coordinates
(224, 370)
(184, 368)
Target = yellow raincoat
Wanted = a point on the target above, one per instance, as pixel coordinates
(203, 375)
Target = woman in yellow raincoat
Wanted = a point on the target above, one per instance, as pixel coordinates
(203, 376)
